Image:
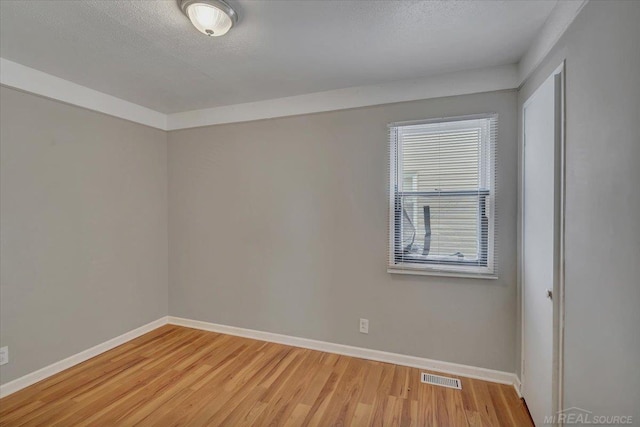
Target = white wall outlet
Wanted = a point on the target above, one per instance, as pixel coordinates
(4, 355)
(364, 326)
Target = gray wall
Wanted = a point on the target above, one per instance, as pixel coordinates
(602, 347)
(281, 225)
(84, 229)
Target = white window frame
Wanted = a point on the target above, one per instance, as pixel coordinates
(395, 184)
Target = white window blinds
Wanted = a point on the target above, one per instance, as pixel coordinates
(442, 194)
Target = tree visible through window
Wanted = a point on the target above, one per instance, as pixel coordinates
(442, 193)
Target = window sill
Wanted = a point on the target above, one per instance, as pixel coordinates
(460, 274)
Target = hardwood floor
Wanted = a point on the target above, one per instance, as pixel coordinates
(180, 376)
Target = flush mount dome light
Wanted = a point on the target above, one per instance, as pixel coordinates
(211, 17)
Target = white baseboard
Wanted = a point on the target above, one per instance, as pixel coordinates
(54, 368)
(363, 353)
(518, 386)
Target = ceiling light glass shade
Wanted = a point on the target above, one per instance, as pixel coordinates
(211, 17)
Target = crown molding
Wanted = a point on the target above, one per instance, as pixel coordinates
(37, 82)
(450, 84)
(562, 15)
(503, 77)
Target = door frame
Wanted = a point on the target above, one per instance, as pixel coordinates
(559, 274)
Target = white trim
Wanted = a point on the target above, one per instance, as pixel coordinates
(559, 285)
(562, 244)
(518, 386)
(54, 368)
(441, 273)
(488, 149)
(31, 80)
(363, 353)
(37, 82)
(359, 352)
(503, 77)
(561, 17)
(450, 84)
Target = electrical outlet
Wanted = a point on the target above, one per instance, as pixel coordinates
(364, 326)
(4, 355)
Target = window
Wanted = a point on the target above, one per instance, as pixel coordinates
(442, 181)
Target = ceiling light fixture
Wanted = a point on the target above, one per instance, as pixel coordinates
(211, 17)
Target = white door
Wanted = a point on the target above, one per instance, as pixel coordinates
(540, 244)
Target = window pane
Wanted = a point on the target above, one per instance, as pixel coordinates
(442, 178)
(454, 226)
(441, 160)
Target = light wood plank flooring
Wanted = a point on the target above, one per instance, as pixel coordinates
(176, 376)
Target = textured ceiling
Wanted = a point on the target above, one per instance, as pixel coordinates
(148, 53)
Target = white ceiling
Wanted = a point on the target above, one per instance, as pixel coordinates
(147, 52)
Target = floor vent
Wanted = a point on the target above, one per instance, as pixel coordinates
(441, 381)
